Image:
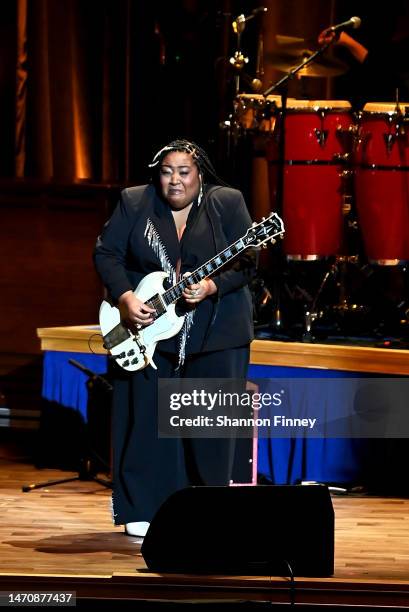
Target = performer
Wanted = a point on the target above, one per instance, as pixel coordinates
(380, 63)
(357, 50)
(178, 222)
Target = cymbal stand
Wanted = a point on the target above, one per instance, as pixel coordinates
(239, 60)
(231, 127)
(281, 87)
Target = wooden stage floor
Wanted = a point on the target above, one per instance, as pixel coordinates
(62, 538)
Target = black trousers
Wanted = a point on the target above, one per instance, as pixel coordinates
(148, 469)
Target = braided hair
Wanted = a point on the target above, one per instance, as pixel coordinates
(200, 157)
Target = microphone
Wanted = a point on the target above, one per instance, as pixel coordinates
(354, 23)
(259, 9)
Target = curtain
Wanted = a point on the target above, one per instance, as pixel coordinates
(77, 88)
(100, 84)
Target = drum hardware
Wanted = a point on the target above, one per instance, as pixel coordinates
(266, 306)
(396, 122)
(260, 58)
(351, 129)
(404, 308)
(346, 176)
(343, 307)
(347, 207)
(362, 140)
(342, 158)
(310, 317)
(239, 119)
(389, 141)
(321, 134)
(391, 137)
(312, 314)
(239, 60)
(347, 136)
(401, 127)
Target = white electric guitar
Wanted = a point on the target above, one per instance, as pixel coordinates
(134, 351)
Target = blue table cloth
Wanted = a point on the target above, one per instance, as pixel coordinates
(281, 461)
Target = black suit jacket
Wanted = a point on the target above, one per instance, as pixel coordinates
(123, 256)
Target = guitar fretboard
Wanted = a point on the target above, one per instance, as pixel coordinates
(208, 268)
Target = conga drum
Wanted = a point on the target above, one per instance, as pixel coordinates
(254, 112)
(382, 182)
(315, 146)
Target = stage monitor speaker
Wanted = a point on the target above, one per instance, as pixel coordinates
(243, 530)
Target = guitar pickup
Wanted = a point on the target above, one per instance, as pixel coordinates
(117, 335)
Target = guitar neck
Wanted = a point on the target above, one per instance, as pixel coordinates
(207, 269)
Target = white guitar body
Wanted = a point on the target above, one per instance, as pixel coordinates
(137, 350)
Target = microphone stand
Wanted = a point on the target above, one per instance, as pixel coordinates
(293, 72)
(89, 457)
(281, 87)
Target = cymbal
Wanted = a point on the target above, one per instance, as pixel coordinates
(290, 51)
(291, 45)
(324, 66)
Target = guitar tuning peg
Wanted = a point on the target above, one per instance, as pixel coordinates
(273, 241)
(263, 218)
(253, 224)
(263, 246)
(281, 236)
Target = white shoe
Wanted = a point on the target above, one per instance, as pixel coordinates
(137, 529)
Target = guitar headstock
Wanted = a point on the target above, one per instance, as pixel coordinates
(264, 231)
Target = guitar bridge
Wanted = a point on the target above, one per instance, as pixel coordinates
(141, 346)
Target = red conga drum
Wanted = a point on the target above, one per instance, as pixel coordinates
(312, 187)
(382, 182)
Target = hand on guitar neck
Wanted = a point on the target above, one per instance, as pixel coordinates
(197, 292)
